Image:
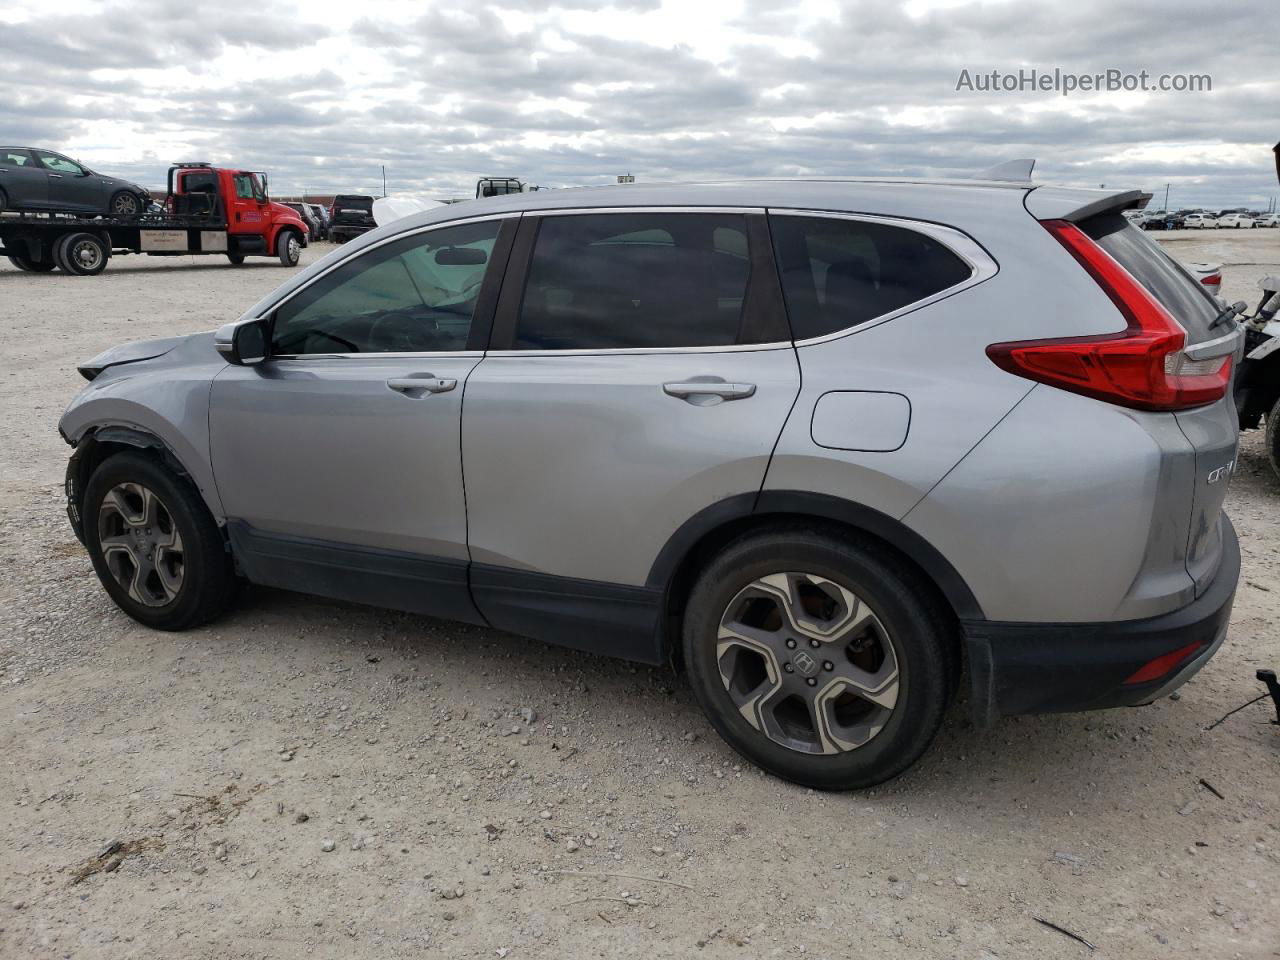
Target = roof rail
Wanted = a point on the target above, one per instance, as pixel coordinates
(1017, 171)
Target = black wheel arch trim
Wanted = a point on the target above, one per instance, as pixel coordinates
(799, 503)
(81, 465)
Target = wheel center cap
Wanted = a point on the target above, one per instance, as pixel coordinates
(806, 666)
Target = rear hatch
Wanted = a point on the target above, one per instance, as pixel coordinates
(354, 210)
(1212, 430)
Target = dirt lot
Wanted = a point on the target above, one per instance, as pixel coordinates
(306, 778)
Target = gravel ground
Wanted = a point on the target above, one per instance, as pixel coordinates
(312, 778)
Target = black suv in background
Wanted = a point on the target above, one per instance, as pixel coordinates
(350, 216)
(35, 179)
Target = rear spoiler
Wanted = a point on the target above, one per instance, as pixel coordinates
(1067, 203)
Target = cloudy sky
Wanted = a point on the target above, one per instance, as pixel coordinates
(322, 94)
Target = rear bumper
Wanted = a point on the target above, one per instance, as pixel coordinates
(1019, 668)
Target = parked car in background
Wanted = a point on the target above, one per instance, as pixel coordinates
(1200, 221)
(752, 427)
(322, 217)
(35, 179)
(1160, 220)
(1236, 221)
(1268, 220)
(350, 216)
(304, 211)
(1209, 275)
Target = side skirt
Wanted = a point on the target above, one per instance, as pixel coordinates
(605, 618)
(433, 586)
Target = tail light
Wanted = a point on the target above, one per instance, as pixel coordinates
(1212, 280)
(1142, 367)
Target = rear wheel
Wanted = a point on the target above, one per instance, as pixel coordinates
(289, 248)
(29, 265)
(82, 254)
(823, 661)
(154, 545)
(125, 204)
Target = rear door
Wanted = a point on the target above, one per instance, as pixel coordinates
(641, 370)
(23, 181)
(1212, 430)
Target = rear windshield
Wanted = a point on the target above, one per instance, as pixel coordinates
(1165, 279)
(353, 203)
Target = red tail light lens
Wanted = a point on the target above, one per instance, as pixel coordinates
(1162, 665)
(1212, 279)
(1142, 367)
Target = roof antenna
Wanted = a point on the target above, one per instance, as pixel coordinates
(1017, 171)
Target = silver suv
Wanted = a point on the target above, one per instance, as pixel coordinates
(827, 446)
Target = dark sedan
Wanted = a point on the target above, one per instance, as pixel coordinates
(35, 179)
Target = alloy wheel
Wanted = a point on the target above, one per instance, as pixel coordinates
(126, 204)
(807, 663)
(141, 544)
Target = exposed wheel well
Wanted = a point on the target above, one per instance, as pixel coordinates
(96, 446)
(696, 559)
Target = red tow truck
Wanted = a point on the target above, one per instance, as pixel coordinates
(208, 210)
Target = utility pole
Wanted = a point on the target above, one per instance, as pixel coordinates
(1166, 198)
(384, 179)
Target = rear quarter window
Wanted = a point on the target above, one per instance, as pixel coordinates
(838, 273)
(1163, 277)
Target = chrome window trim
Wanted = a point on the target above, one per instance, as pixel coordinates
(425, 228)
(981, 265)
(372, 355)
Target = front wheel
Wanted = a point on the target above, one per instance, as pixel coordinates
(154, 545)
(289, 248)
(824, 661)
(125, 204)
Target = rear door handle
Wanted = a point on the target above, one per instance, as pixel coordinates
(420, 386)
(55, 176)
(690, 389)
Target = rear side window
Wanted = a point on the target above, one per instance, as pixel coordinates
(636, 280)
(1164, 278)
(14, 158)
(839, 273)
(415, 295)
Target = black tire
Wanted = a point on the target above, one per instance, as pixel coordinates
(207, 579)
(29, 265)
(236, 259)
(82, 254)
(920, 630)
(289, 248)
(124, 204)
(1273, 437)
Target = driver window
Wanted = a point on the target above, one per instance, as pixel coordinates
(414, 295)
(60, 164)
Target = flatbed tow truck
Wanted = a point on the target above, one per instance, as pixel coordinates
(208, 210)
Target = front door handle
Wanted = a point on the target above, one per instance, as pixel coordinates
(421, 386)
(55, 176)
(693, 390)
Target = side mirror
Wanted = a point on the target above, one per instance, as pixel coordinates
(243, 344)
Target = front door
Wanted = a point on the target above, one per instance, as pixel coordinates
(71, 186)
(337, 459)
(641, 370)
